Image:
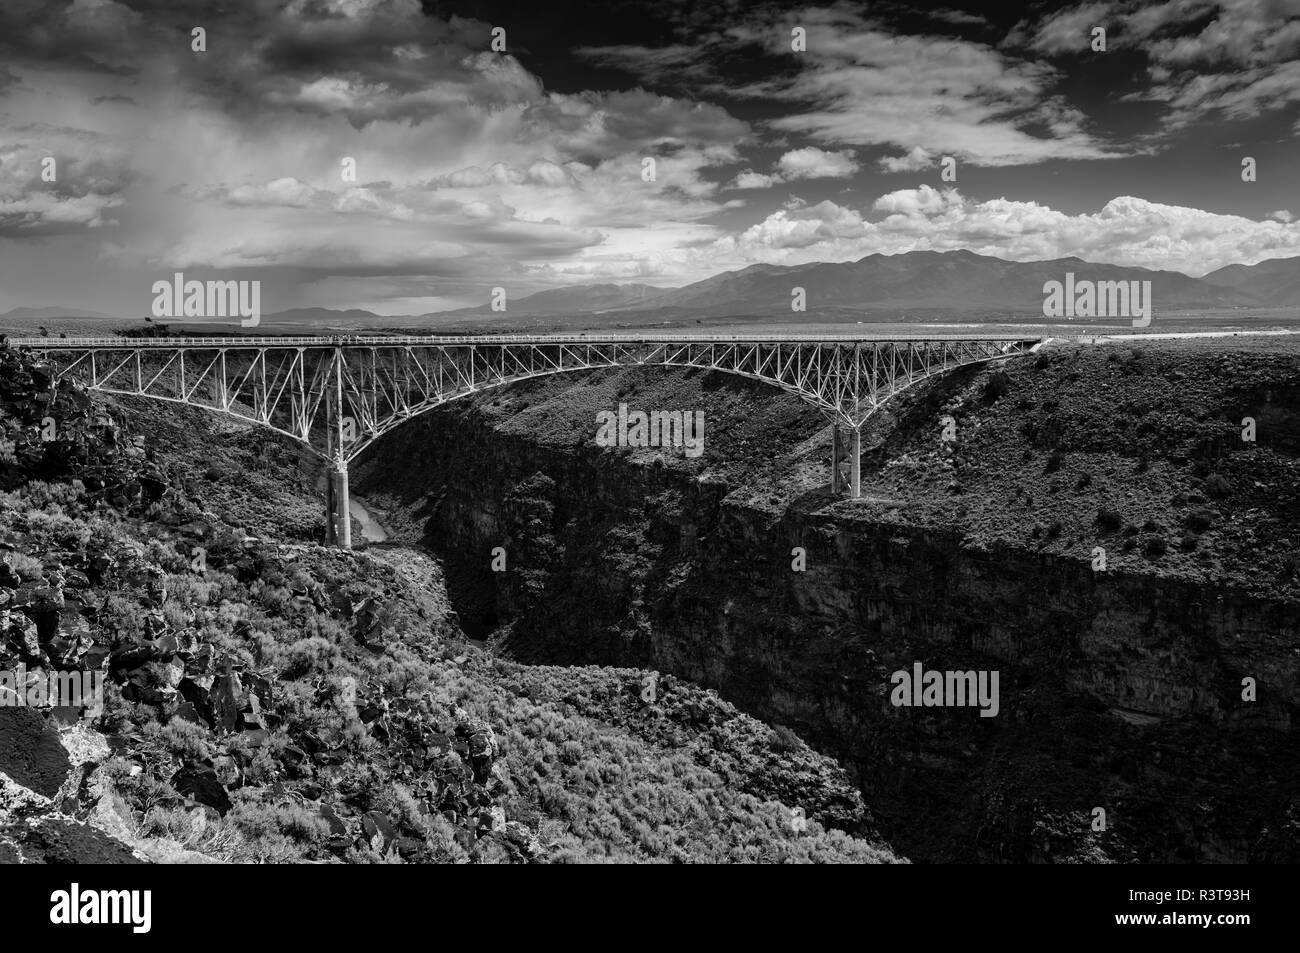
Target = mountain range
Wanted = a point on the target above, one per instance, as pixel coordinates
(1276, 281)
(41, 314)
(955, 281)
(921, 280)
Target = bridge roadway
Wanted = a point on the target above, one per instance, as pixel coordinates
(392, 340)
(336, 394)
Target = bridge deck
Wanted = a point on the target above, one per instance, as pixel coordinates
(426, 340)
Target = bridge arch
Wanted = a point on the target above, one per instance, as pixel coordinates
(363, 443)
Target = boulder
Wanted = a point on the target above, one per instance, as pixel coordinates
(522, 838)
(379, 831)
(227, 698)
(491, 820)
(202, 784)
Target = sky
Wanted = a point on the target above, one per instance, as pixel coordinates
(528, 167)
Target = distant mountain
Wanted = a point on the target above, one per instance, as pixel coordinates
(41, 314)
(574, 298)
(957, 280)
(322, 316)
(1275, 281)
(919, 281)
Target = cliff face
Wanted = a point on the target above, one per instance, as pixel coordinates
(1120, 690)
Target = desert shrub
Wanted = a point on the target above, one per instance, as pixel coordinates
(1155, 546)
(277, 833)
(310, 655)
(28, 568)
(785, 740)
(174, 822)
(273, 599)
(570, 752)
(186, 739)
(1109, 519)
(1199, 520)
(397, 803)
(40, 495)
(1217, 485)
(998, 383)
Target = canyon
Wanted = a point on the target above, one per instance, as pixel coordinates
(1120, 690)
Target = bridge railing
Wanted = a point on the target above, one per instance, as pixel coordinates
(331, 341)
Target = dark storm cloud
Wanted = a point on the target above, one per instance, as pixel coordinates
(97, 37)
(265, 55)
(332, 44)
(383, 66)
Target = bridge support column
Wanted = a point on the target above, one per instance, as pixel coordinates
(855, 451)
(339, 532)
(836, 453)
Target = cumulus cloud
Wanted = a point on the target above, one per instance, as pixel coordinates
(915, 160)
(814, 163)
(810, 226)
(90, 174)
(749, 179)
(807, 163)
(1126, 231)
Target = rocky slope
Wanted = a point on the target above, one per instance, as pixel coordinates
(267, 699)
(1121, 688)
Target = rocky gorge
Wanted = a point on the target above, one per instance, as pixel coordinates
(1124, 688)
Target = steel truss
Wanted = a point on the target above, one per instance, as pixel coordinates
(337, 396)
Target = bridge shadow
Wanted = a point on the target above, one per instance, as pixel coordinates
(810, 501)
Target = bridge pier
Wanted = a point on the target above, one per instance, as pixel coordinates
(855, 465)
(836, 481)
(338, 531)
(855, 462)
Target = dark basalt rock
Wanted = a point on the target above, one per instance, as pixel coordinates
(200, 782)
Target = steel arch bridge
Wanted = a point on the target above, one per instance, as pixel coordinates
(337, 395)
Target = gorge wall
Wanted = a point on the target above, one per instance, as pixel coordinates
(1119, 690)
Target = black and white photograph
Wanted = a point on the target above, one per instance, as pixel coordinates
(644, 432)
